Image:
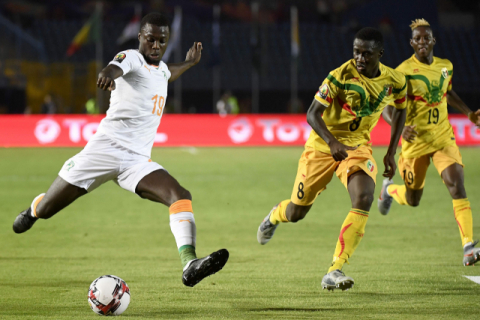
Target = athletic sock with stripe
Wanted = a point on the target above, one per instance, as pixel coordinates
(350, 236)
(279, 213)
(182, 224)
(463, 216)
(398, 192)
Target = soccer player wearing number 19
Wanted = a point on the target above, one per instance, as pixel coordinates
(351, 98)
(428, 135)
(121, 148)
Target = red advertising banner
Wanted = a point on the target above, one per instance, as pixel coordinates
(193, 130)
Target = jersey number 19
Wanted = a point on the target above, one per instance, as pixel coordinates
(158, 104)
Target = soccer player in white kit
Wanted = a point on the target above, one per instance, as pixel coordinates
(121, 148)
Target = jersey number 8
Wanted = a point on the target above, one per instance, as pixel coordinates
(355, 124)
(160, 103)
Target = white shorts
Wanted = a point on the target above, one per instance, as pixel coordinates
(102, 160)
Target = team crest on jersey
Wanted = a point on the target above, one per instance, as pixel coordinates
(119, 57)
(323, 91)
(416, 71)
(388, 89)
(445, 73)
(370, 166)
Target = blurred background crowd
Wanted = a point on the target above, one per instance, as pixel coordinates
(257, 58)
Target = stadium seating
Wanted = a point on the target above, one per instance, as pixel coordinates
(323, 47)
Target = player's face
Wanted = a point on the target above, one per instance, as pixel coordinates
(366, 56)
(153, 42)
(422, 41)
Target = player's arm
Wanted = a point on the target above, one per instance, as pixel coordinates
(193, 57)
(106, 78)
(397, 122)
(314, 119)
(408, 133)
(454, 100)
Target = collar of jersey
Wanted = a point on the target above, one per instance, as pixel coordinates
(424, 64)
(152, 65)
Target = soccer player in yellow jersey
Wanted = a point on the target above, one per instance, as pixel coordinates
(351, 98)
(428, 135)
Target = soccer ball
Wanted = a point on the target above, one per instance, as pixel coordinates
(109, 296)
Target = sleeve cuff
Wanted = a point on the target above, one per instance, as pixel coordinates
(124, 67)
(325, 102)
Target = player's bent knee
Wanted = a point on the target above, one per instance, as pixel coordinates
(297, 216)
(180, 194)
(297, 213)
(413, 202)
(363, 201)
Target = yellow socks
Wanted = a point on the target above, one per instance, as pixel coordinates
(350, 236)
(463, 215)
(398, 193)
(279, 213)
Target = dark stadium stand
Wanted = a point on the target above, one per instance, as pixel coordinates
(323, 47)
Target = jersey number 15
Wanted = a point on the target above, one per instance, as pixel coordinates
(158, 104)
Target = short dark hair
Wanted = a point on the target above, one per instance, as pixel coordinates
(156, 18)
(371, 34)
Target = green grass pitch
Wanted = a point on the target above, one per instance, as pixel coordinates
(408, 266)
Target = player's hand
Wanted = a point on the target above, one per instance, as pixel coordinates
(339, 150)
(475, 118)
(409, 134)
(390, 165)
(195, 53)
(105, 83)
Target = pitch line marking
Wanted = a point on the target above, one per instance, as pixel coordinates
(475, 279)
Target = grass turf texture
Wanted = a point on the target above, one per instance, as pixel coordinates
(408, 266)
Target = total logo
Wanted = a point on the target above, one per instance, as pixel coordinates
(79, 130)
(242, 129)
(48, 130)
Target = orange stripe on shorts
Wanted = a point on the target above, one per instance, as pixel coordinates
(181, 206)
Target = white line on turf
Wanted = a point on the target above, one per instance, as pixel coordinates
(191, 150)
(475, 279)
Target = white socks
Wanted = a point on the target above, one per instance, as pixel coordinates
(183, 228)
(34, 204)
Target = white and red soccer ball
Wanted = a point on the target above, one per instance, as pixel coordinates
(109, 296)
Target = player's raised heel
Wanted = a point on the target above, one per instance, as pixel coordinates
(385, 200)
(24, 221)
(471, 255)
(336, 279)
(266, 229)
(199, 269)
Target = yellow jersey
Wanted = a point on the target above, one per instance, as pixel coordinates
(355, 103)
(427, 105)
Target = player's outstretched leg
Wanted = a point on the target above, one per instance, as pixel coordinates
(285, 211)
(160, 186)
(59, 195)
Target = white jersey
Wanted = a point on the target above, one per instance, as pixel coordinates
(137, 103)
